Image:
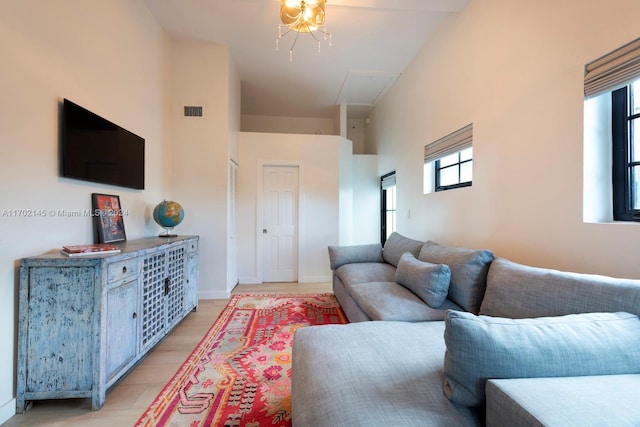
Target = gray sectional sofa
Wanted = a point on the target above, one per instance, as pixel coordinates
(444, 336)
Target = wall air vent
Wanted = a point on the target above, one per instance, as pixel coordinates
(192, 111)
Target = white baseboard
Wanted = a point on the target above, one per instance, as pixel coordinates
(249, 281)
(214, 295)
(315, 279)
(307, 279)
(7, 410)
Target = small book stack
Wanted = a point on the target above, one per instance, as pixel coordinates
(85, 250)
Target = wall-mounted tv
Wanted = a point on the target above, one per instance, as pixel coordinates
(94, 149)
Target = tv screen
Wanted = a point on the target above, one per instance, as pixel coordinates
(96, 150)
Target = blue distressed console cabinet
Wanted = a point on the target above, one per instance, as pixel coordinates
(85, 321)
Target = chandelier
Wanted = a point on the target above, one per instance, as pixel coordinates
(302, 17)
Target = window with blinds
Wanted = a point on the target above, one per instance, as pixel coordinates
(451, 159)
(617, 76)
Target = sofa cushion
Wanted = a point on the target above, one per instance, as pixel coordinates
(341, 255)
(469, 269)
(365, 272)
(396, 245)
(483, 347)
(372, 374)
(428, 281)
(391, 301)
(351, 309)
(518, 291)
(587, 401)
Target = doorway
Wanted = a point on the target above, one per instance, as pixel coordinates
(280, 194)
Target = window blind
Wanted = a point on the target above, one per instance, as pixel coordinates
(613, 71)
(452, 143)
(388, 180)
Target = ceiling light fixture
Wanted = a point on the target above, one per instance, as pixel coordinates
(302, 17)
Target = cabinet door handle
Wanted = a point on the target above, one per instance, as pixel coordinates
(135, 315)
(167, 282)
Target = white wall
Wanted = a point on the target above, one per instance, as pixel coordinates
(202, 76)
(340, 120)
(110, 58)
(235, 119)
(297, 125)
(366, 200)
(345, 193)
(515, 69)
(318, 158)
(355, 132)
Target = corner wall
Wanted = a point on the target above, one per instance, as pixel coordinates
(202, 76)
(515, 69)
(365, 222)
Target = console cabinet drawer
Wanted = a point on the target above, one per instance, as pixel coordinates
(192, 247)
(122, 269)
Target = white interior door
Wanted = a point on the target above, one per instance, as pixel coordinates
(280, 223)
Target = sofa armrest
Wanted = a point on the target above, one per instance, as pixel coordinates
(341, 255)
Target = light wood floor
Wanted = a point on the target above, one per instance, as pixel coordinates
(128, 399)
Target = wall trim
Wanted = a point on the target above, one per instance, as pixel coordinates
(315, 279)
(214, 295)
(7, 411)
(249, 280)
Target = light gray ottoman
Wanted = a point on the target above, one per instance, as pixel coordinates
(606, 400)
(372, 374)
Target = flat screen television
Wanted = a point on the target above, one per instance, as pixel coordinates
(97, 150)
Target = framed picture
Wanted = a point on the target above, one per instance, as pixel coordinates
(107, 217)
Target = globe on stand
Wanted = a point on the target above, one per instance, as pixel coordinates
(168, 214)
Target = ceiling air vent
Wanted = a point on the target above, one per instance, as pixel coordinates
(192, 111)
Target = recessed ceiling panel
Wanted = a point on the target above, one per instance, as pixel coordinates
(365, 87)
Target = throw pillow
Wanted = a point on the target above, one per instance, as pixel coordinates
(483, 347)
(396, 245)
(428, 281)
(469, 269)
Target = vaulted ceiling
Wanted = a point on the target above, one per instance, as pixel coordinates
(372, 43)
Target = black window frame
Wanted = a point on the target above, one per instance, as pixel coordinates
(622, 128)
(459, 163)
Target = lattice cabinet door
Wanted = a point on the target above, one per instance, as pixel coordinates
(153, 275)
(175, 282)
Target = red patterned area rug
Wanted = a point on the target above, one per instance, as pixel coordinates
(240, 373)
